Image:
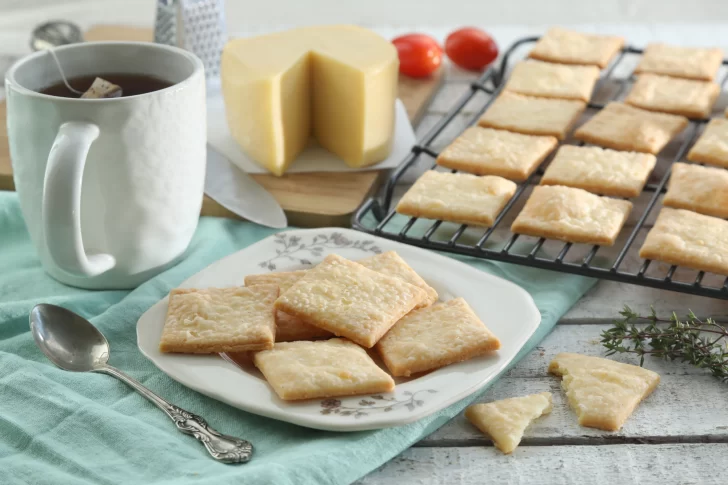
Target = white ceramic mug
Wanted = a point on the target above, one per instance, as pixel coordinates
(110, 189)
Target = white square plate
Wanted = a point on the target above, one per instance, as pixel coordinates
(507, 309)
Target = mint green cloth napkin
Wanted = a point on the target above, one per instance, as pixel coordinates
(59, 427)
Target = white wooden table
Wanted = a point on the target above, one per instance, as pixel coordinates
(678, 435)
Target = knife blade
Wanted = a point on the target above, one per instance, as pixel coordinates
(236, 191)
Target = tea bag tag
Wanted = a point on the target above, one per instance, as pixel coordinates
(197, 26)
(101, 88)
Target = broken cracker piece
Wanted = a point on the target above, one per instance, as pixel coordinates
(603, 393)
(505, 421)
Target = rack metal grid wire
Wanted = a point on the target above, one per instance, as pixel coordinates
(491, 83)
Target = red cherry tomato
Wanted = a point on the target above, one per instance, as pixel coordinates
(419, 55)
(471, 48)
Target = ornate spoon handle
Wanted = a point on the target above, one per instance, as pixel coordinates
(224, 448)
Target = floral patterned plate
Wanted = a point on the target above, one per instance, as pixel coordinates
(507, 309)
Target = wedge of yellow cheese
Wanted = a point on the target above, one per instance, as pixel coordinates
(337, 83)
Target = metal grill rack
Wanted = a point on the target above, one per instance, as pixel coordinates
(611, 267)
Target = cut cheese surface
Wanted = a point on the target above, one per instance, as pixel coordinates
(506, 420)
(603, 393)
(337, 83)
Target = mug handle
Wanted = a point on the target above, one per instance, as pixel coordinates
(61, 206)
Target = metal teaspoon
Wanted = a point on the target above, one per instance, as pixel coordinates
(73, 343)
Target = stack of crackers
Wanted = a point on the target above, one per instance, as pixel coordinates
(311, 331)
(581, 196)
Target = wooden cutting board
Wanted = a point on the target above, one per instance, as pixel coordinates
(309, 199)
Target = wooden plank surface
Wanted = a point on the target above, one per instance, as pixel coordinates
(309, 199)
(577, 465)
(676, 435)
(683, 422)
(662, 418)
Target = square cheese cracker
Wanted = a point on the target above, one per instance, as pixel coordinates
(216, 320)
(600, 170)
(389, 263)
(435, 336)
(547, 80)
(349, 300)
(699, 189)
(569, 47)
(320, 369)
(689, 239)
(686, 97)
(505, 421)
(685, 62)
(712, 146)
(573, 215)
(485, 151)
(623, 127)
(532, 116)
(457, 197)
(288, 327)
(603, 393)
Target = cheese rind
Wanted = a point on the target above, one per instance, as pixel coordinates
(337, 83)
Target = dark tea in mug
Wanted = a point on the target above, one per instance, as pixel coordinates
(131, 84)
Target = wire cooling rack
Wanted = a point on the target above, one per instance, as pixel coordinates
(618, 263)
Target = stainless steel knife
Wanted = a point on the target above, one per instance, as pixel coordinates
(236, 191)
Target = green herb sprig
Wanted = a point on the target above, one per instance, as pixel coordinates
(703, 344)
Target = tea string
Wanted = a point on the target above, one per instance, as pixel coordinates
(63, 76)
